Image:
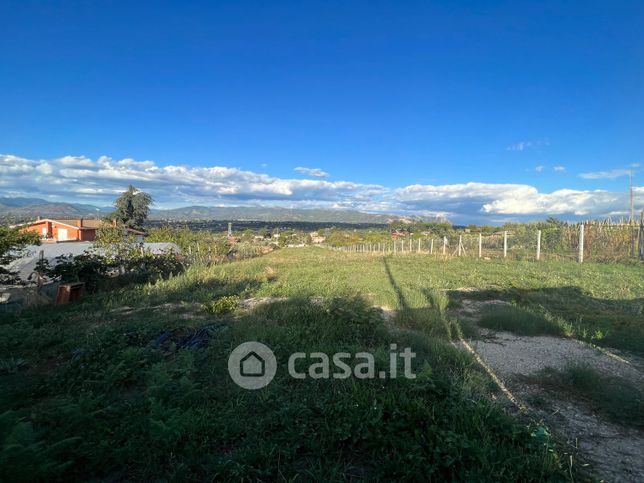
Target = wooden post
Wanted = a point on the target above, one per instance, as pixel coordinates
(505, 244)
(431, 247)
(444, 244)
(581, 243)
(460, 244)
(640, 237)
(419, 245)
(480, 244)
(538, 244)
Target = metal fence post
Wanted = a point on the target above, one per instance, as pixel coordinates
(505, 244)
(538, 244)
(480, 244)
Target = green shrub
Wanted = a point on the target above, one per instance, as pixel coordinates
(222, 305)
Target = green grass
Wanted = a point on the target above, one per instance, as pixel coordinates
(523, 321)
(602, 303)
(616, 398)
(221, 305)
(88, 391)
(118, 406)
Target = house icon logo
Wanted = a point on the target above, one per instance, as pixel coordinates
(252, 365)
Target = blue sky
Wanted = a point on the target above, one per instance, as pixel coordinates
(537, 104)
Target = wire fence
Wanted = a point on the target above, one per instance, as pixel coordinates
(593, 242)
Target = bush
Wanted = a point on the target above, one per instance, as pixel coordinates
(100, 271)
(222, 305)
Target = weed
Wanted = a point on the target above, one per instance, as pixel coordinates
(522, 321)
(615, 397)
(222, 305)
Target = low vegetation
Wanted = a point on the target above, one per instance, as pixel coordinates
(614, 397)
(132, 383)
(127, 398)
(221, 305)
(523, 321)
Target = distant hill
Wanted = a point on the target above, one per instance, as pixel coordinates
(244, 213)
(18, 213)
(15, 210)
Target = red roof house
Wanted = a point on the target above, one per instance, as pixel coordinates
(70, 230)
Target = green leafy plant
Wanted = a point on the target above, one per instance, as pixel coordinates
(12, 244)
(222, 305)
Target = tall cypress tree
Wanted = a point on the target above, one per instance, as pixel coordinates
(132, 207)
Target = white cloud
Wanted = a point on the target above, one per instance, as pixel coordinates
(539, 168)
(317, 172)
(97, 181)
(515, 200)
(524, 145)
(612, 174)
(559, 169)
(520, 146)
(168, 184)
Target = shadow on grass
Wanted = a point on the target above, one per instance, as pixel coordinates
(104, 397)
(566, 311)
(523, 321)
(431, 318)
(618, 399)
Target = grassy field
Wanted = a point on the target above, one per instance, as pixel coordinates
(113, 388)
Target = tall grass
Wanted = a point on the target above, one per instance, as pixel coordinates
(523, 321)
(618, 399)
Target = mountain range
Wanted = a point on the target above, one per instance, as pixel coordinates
(15, 210)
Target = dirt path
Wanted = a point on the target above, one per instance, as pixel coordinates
(613, 452)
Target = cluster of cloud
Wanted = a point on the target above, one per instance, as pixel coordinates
(80, 179)
(557, 169)
(612, 174)
(317, 172)
(525, 145)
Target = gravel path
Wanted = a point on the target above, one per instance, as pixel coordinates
(614, 453)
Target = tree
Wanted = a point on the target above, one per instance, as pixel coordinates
(12, 243)
(132, 208)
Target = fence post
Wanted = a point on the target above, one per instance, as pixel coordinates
(505, 244)
(480, 244)
(640, 238)
(581, 243)
(538, 244)
(431, 247)
(459, 244)
(419, 245)
(444, 244)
